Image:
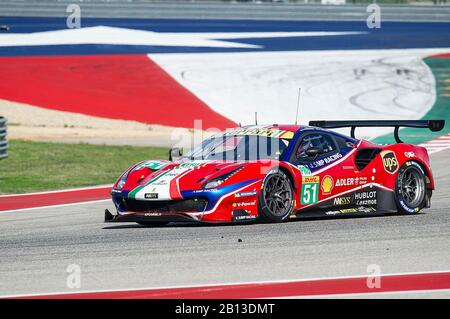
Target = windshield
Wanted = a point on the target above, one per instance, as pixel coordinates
(239, 148)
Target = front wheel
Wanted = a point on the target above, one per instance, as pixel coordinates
(410, 188)
(276, 198)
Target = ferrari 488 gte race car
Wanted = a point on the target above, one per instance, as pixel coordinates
(277, 172)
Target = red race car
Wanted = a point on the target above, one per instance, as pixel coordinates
(277, 172)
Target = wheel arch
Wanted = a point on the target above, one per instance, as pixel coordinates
(262, 206)
(290, 176)
(425, 203)
(429, 175)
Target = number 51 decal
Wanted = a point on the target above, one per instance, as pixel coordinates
(310, 190)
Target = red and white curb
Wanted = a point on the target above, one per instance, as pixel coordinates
(437, 145)
(20, 202)
(425, 282)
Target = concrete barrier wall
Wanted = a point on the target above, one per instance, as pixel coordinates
(3, 141)
(224, 10)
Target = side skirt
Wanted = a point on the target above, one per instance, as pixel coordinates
(365, 202)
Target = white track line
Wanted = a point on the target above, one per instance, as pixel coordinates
(58, 191)
(367, 294)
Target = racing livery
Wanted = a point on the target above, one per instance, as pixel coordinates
(277, 172)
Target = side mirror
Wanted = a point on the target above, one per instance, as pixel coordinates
(175, 153)
(313, 151)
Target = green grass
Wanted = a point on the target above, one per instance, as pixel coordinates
(37, 166)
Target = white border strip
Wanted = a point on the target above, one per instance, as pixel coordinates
(59, 191)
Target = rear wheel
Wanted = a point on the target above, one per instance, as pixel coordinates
(152, 224)
(276, 198)
(410, 188)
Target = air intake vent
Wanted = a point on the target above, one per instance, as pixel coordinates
(165, 206)
(365, 156)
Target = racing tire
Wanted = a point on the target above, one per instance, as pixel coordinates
(275, 202)
(410, 188)
(152, 224)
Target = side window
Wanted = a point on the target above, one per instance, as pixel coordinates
(322, 141)
(343, 142)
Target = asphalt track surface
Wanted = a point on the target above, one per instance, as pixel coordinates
(37, 246)
(205, 10)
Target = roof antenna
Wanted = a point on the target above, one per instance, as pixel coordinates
(256, 118)
(298, 105)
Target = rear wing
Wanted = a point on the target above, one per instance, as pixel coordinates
(433, 125)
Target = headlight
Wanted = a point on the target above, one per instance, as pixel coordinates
(213, 183)
(220, 179)
(123, 179)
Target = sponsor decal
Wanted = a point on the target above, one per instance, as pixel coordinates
(310, 190)
(244, 217)
(245, 194)
(151, 195)
(348, 210)
(407, 208)
(410, 154)
(360, 198)
(342, 201)
(390, 162)
(409, 163)
(327, 184)
(244, 204)
(241, 215)
(260, 131)
(351, 211)
(351, 181)
(189, 165)
(366, 198)
(310, 179)
(325, 161)
(366, 210)
(342, 211)
(360, 180)
(152, 165)
(345, 182)
(152, 214)
(207, 190)
(304, 170)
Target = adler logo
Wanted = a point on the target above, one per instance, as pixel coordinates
(390, 162)
(151, 195)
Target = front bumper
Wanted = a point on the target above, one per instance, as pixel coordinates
(142, 217)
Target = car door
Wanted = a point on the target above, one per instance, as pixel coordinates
(324, 174)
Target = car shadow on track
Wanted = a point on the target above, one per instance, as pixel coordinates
(291, 221)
